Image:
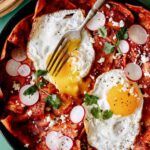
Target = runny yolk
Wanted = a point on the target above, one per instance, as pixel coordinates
(68, 79)
(123, 102)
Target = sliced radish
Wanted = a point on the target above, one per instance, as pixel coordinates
(137, 34)
(133, 71)
(12, 67)
(123, 46)
(28, 99)
(77, 114)
(96, 22)
(52, 140)
(66, 143)
(24, 70)
(18, 54)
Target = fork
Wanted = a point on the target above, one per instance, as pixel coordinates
(61, 49)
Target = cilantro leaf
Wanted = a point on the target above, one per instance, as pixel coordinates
(102, 32)
(90, 99)
(42, 83)
(39, 73)
(96, 112)
(54, 101)
(31, 90)
(107, 114)
(122, 33)
(108, 48)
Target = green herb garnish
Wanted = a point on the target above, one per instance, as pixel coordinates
(54, 101)
(102, 32)
(108, 48)
(31, 90)
(39, 73)
(107, 114)
(90, 99)
(96, 111)
(122, 33)
(42, 83)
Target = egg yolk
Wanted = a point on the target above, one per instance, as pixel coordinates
(123, 102)
(68, 79)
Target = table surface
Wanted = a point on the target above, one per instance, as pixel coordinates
(3, 21)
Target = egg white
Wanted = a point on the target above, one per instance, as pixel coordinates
(118, 132)
(46, 32)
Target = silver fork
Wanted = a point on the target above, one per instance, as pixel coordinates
(61, 49)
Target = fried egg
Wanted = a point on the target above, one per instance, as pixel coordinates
(46, 32)
(124, 99)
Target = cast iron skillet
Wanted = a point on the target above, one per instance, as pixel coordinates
(26, 10)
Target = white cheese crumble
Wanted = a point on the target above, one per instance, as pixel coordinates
(121, 23)
(92, 40)
(144, 59)
(101, 60)
(52, 123)
(29, 113)
(26, 145)
(146, 74)
(108, 6)
(16, 86)
(48, 119)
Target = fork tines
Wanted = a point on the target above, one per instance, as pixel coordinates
(59, 57)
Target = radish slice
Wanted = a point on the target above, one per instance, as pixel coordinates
(12, 67)
(52, 140)
(137, 34)
(96, 22)
(77, 114)
(123, 46)
(133, 71)
(66, 143)
(28, 99)
(24, 70)
(18, 54)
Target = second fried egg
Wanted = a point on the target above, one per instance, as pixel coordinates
(124, 99)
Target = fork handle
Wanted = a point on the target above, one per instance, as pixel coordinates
(92, 12)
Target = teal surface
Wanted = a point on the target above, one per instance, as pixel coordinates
(3, 21)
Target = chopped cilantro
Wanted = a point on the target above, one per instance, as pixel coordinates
(54, 101)
(107, 114)
(96, 112)
(42, 83)
(31, 90)
(108, 48)
(102, 32)
(39, 73)
(90, 99)
(122, 33)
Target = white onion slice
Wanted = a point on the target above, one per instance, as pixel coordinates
(133, 71)
(96, 22)
(28, 100)
(66, 143)
(52, 140)
(137, 34)
(18, 54)
(77, 114)
(12, 67)
(24, 70)
(123, 46)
